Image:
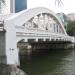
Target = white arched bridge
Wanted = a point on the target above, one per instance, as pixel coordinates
(34, 25)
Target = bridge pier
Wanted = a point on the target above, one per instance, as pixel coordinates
(29, 50)
(9, 60)
(36, 46)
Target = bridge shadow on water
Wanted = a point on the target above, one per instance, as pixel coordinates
(46, 62)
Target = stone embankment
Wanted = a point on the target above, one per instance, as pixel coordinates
(10, 70)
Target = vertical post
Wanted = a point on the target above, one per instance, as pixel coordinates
(11, 51)
(13, 6)
(0, 8)
(38, 20)
(29, 51)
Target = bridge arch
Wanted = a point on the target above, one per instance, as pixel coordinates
(16, 30)
(23, 17)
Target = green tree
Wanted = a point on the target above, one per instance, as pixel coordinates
(71, 28)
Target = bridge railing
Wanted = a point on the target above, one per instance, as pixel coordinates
(22, 31)
(1, 25)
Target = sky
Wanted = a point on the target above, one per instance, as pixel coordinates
(67, 7)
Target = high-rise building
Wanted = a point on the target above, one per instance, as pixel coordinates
(63, 18)
(20, 5)
(12, 6)
(71, 16)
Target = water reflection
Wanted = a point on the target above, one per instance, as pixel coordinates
(52, 62)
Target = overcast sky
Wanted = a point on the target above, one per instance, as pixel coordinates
(68, 6)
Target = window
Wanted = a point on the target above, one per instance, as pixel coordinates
(57, 28)
(20, 5)
(54, 27)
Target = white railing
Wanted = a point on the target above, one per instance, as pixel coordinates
(1, 25)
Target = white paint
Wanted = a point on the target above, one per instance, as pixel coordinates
(11, 44)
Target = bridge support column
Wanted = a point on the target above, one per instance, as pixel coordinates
(11, 50)
(8, 49)
(9, 58)
(36, 39)
(29, 50)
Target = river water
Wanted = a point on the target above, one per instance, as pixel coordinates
(52, 62)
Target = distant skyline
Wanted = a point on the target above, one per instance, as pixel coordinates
(67, 7)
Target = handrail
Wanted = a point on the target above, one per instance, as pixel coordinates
(2, 26)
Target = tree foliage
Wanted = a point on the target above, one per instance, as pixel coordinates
(71, 28)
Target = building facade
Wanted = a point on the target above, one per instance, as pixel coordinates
(71, 16)
(12, 6)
